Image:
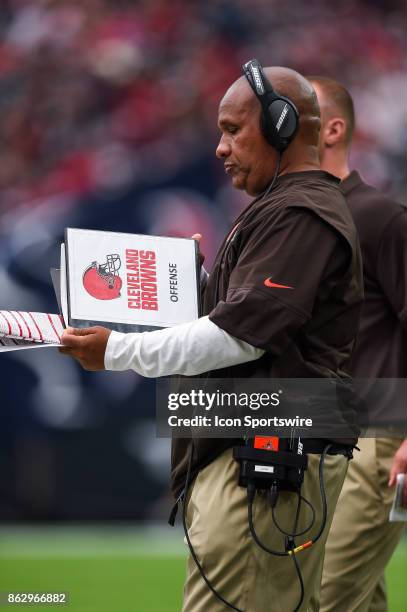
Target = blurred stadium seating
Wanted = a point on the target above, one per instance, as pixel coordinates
(108, 121)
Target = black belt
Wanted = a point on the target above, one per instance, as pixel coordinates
(316, 446)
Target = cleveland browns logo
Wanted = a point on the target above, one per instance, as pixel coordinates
(102, 281)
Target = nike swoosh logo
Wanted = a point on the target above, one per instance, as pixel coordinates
(269, 283)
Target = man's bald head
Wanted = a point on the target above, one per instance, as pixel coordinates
(289, 84)
(249, 158)
(335, 101)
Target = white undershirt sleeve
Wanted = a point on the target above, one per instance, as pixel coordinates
(187, 349)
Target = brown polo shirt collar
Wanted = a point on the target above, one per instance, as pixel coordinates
(350, 182)
(307, 174)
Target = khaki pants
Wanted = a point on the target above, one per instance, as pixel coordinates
(362, 540)
(239, 570)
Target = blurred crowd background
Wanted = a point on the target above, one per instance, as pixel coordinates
(108, 121)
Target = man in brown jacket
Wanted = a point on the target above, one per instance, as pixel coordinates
(362, 540)
(282, 300)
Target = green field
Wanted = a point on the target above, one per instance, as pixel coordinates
(118, 569)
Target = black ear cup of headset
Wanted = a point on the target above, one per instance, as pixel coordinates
(279, 115)
(282, 117)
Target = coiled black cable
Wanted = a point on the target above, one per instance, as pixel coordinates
(300, 580)
(306, 529)
(294, 558)
(251, 493)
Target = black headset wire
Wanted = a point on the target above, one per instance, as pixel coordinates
(295, 561)
(323, 493)
(251, 492)
(301, 581)
(276, 172)
(296, 534)
(245, 218)
(191, 548)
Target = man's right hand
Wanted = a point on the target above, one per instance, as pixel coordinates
(198, 238)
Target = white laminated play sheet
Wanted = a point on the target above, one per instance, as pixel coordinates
(129, 280)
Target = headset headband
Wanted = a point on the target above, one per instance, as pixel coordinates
(258, 81)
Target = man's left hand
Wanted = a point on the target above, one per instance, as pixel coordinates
(400, 467)
(86, 345)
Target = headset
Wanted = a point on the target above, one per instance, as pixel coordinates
(279, 116)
